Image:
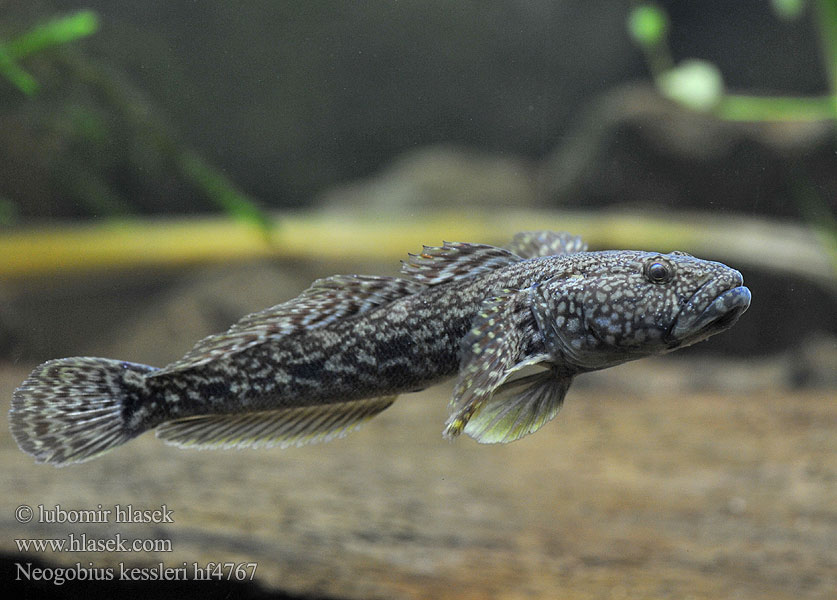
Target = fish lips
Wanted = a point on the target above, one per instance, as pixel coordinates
(720, 314)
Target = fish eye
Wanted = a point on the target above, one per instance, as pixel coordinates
(658, 272)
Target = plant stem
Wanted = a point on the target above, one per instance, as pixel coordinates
(826, 11)
(737, 107)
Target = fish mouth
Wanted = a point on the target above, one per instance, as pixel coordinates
(720, 314)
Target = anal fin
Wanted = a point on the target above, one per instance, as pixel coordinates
(284, 427)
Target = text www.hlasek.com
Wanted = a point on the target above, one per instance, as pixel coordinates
(83, 543)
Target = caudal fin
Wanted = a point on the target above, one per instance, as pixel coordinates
(71, 410)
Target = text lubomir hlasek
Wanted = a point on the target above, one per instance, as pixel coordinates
(120, 513)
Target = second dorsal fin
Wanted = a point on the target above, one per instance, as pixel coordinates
(326, 301)
(532, 244)
(329, 299)
(455, 260)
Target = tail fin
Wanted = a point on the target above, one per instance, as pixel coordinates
(71, 410)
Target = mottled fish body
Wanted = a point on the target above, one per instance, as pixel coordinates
(317, 366)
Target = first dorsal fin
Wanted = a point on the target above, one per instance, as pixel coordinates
(326, 301)
(532, 244)
(455, 260)
(284, 427)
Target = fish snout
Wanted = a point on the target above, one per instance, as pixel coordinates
(693, 324)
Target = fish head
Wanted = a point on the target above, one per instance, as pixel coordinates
(620, 306)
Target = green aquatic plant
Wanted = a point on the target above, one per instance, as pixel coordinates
(219, 189)
(649, 25)
(223, 192)
(55, 32)
(90, 187)
(698, 84)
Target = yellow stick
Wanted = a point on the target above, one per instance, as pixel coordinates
(45, 250)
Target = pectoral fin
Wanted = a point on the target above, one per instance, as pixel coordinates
(519, 407)
(490, 351)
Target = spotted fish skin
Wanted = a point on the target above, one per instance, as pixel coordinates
(316, 366)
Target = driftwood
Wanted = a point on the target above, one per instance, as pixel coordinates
(627, 495)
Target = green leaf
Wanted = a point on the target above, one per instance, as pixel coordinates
(52, 33)
(648, 25)
(16, 75)
(55, 32)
